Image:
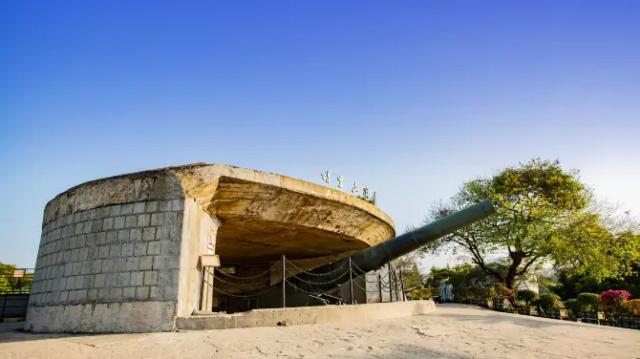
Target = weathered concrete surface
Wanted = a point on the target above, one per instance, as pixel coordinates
(307, 315)
(452, 331)
(128, 246)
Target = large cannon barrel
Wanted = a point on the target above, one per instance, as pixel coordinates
(375, 257)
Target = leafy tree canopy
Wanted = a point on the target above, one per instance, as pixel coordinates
(541, 216)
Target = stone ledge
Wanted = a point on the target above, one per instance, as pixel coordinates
(306, 315)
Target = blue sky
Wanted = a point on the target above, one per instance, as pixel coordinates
(410, 98)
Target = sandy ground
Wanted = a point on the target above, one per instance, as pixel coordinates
(453, 331)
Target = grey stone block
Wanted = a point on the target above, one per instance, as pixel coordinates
(150, 278)
(138, 207)
(154, 247)
(140, 249)
(129, 293)
(131, 221)
(124, 235)
(164, 206)
(86, 228)
(165, 262)
(118, 222)
(148, 234)
(137, 278)
(115, 210)
(155, 293)
(104, 251)
(103, 294)
(92, 294)
(127, 209)
(111, 280)
(96, 266)
(157, 219)
(124, 279)
(107, 223)
(170, 247)
(96, 225)
(107, 265)
(144, 220)
(99, 280)
(142, 292)
(151, 207)
(127, 249)
(78, 229)
(100, 238)
(115, 250)
(115, 294)
(135, 234)
(112, 237)
(163, 232)
(146, 263)
(177, 205)
(132, 263)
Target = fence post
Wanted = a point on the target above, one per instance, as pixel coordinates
(380, 286)
(401, 284)
(390, 282)
(284, 282)
(350, 282)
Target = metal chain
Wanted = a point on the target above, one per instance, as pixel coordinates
(268, 271)
(337, 269)
(318, 282)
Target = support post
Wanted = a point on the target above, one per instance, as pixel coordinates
(350, 282)
(390, 282)
(380, 286)
(284, 282)
(401, 284)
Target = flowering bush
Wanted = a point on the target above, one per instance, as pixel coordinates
(614, 297)
(612, 302)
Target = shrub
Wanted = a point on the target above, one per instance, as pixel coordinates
(632, 306)
(573, 306)
(588, 302)
(420, 293)
(614, 297)
(612, 300)
(526, 295)
(550, 301)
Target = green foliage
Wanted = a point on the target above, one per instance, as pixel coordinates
(588, 302)
(9, 282)
(526, 295)
(464, 278)
(573, 307)
(569, 285)
(411, 276)
(540, 216)
(550, 302)
(420, 293)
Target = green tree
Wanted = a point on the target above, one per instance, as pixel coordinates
(411, 276)
(540, 216)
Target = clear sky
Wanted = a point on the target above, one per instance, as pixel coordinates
(410, 98)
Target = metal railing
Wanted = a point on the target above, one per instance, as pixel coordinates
(15, 286)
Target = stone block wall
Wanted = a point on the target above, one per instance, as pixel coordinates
(111, 263)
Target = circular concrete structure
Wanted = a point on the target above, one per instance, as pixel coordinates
(126, 253)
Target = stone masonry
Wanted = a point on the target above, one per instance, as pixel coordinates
(109, 256)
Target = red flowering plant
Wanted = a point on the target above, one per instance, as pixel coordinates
(613, 300)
